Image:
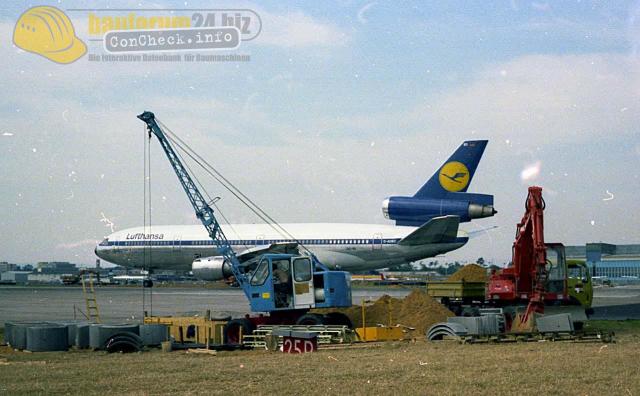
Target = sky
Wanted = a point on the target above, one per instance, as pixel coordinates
(341, 105)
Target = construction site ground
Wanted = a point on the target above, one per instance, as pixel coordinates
(389, 368)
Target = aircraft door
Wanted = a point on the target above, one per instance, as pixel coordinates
(126, 253)
(177, 247)
(260, 240)
(303, 292)
(376, 241)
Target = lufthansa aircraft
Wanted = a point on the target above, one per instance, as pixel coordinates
(426, 225)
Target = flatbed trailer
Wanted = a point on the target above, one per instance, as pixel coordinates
(454, 290)
(460, 297)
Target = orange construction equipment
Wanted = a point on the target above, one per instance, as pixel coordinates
(526, 279)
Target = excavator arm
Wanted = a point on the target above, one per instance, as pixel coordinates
(530, 253)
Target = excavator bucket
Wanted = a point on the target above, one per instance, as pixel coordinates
(522, 325)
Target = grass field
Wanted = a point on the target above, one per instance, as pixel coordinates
(393, 368)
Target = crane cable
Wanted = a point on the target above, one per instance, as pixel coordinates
(182, 146)
(222, 180)
(266, 218)
(213, 172)
(144, 213)
(148, 275)
(211, 201)
(146, 248)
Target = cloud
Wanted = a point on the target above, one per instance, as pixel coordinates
(325, 165)
(298, 30)
(540, 6)
(526, 102)
(544, 97)
(633, 29)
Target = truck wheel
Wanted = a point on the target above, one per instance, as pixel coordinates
(310, 320)
(232, 330)
(338, 319)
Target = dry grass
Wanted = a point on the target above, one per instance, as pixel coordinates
(394, 368)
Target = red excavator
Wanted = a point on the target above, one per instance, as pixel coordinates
(539, 278)
(527, 279)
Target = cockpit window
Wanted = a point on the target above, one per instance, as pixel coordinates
(105, 242)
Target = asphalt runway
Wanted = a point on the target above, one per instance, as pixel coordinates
(616, 303)
(125, 304)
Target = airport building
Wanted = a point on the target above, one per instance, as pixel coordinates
(615, 262)
(5, 266)
(57, 267)
(13, 277)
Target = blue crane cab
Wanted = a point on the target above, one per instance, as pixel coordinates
(283, 282)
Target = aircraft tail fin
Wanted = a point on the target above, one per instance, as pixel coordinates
(445, 193)
(456, 173)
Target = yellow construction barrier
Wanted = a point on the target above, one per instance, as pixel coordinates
(191, 329)
(380, 332)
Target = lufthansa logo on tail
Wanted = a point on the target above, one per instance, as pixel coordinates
(454, 176)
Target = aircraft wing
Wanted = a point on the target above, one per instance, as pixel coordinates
(281, 247)
(441, 229)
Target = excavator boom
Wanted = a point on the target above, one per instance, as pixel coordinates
(530, 253)
(526, 278)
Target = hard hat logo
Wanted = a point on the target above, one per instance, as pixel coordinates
(47, 31)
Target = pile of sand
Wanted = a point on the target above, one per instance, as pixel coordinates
(417, 310)
(469, 273)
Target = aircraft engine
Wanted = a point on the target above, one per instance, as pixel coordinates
(416, 211)
(211, 268)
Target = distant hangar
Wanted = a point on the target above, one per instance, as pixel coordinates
(615, 262)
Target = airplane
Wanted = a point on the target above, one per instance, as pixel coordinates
(426, 225)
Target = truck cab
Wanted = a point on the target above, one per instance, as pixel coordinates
(570, 278)
(579, 283)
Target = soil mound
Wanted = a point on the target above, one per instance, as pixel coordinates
(469, 273)
(417, 310)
